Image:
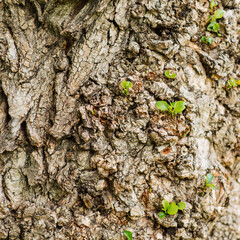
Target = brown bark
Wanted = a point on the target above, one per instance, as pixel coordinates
(79, 159)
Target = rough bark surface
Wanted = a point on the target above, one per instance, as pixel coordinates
(81, 160)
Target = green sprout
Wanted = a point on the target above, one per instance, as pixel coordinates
(168, 75)
(173, 108)
(214, 25)
(128, 234)
(126, 85)
(207, 40)
(171, 208)
(209, 178)
(233, 83)
(212, 5)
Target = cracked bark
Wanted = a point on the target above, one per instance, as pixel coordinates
(78, 157)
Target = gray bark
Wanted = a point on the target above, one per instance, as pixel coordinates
(81, 160)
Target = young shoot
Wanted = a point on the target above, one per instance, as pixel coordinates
(207, 40)
(126, 85)
(233, 83)
(214, 25)
(171, 208)
(128, 234)
(209, 178)
(168, 75)
(173, 108)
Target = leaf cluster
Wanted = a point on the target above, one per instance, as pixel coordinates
(171, 208)
(173, 108)
(169, 75)
(233, 83)
(128, 234)
(214, 25)
(209, 178)
(126, 85)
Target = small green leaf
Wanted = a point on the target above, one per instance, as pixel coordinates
(232, 83)
(173, 75)
(167, 74)
(216, 26)
(172, 209)
(128, 234)
(165, 204)
(213, 26)
(210, 40)
(207, 40)
(162, 215)
(212, 186)
(179, 106)
(218, 14)
(162, 105)
(213, 4)
(210, 25)
(203, 39)
(172, 104)
(209, 178)
(126, 84)
(181, 205)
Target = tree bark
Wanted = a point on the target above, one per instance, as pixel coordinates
(79, 159)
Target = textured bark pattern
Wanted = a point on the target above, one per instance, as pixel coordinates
(81, 160)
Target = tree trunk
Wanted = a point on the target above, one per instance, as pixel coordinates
(83, 159)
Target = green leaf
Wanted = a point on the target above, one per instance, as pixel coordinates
(162, 105)
(167, 74)
(203, 39)
(207, 40)
(210, 40)
(216, 26)
(218, 14)
(126, 84)
(179, 106)
(162, 215)
(172, 209)
(209, 177)
(128, 234)
(211, 25)
(173, 75)
(165, 204)
(172, 105)
(213, 4)
(232, 83)
(181, 205)
(212, 186)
